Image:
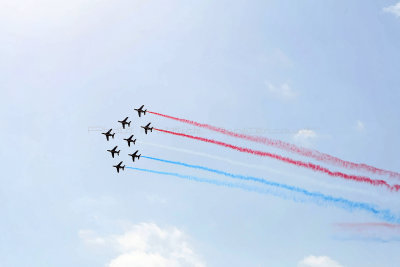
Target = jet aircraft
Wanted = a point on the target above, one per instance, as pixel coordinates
(147, 128)
(129, 140)
(114, 151)
(140, 110)
(119, 166)
(108, 134)
(125, 122)
(135, 155)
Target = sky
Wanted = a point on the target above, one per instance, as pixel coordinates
(318, 74)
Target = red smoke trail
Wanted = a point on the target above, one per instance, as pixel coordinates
(290, 161)
(290, 147)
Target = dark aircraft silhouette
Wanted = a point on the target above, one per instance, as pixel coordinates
(124, 122)
(140, 110)
(108, 134)
(114, 151)
(135, 155)
(147, 128)
(119, 167)
(129, 140)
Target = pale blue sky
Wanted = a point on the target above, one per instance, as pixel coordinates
(329, 67)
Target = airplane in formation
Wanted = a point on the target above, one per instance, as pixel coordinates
(108, 134)
(135, 155)
(140, 110)
(125, 122)
(147, 128)
(119, 166)
(114, 151)
(129, 140)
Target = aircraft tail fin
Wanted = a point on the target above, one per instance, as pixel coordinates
(123, 168)
(139, 156)
(134, 141)
(113, 135)
(145, 112)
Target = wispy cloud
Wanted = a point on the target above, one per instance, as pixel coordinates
(360, 126)
(395, 9)
(318, 261)
(305, 136)
(283, 91)
(147, 244)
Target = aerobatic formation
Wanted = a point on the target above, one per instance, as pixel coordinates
(376, 178)
(129, 140)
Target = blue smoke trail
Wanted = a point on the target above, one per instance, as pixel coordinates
(341, 202)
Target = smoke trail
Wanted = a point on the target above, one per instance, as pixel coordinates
(235, 176)
(375, 231)
(233, 162)
(255, 166)
(385, 215)
(290, 147)
(307, 165)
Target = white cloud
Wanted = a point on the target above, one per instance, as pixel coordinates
(146, 244)
(304, 136)
(318, 261)
(360, 126)
(142, 259)
(395, 9)
(283, 90)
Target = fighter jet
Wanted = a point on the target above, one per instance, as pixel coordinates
(140, 110)
(114, 151)
(129, 140)
(108, 134)
(124, 122)
(135, 155)
(147, 128)
(119, 167)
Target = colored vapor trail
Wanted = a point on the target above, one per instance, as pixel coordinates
(214, 157)
(339, 202)
(290, 147)
(307, 165)
(252, 166)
